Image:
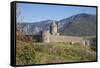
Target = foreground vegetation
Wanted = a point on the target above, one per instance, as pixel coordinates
(43, 53)
(29, 51)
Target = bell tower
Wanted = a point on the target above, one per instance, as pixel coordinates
(53, 28)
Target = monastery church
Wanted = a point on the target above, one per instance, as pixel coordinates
(53, 36)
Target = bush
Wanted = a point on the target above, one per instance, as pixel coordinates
(25, 53)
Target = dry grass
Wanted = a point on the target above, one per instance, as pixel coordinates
(43, 53)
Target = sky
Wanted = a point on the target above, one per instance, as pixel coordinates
(39, 12)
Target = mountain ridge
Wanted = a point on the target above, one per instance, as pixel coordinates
(77, 25)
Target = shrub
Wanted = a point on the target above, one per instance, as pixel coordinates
(25, 53)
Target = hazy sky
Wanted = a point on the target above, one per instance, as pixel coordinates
(39, 12)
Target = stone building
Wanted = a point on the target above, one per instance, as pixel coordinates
(45, 36)
(53, 28)
(54, 36)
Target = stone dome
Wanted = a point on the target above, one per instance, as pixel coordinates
(53, 24)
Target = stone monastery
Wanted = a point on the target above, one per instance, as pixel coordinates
(53, 36)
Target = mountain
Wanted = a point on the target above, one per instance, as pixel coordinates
(77, 25)
(80, 24)
(35, 27)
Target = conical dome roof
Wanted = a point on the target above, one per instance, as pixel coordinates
(53, 23)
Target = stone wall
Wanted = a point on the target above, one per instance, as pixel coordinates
(68, 39)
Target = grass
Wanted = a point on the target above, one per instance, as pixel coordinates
(43, 53)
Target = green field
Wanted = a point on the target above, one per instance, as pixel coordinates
(42, 53)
